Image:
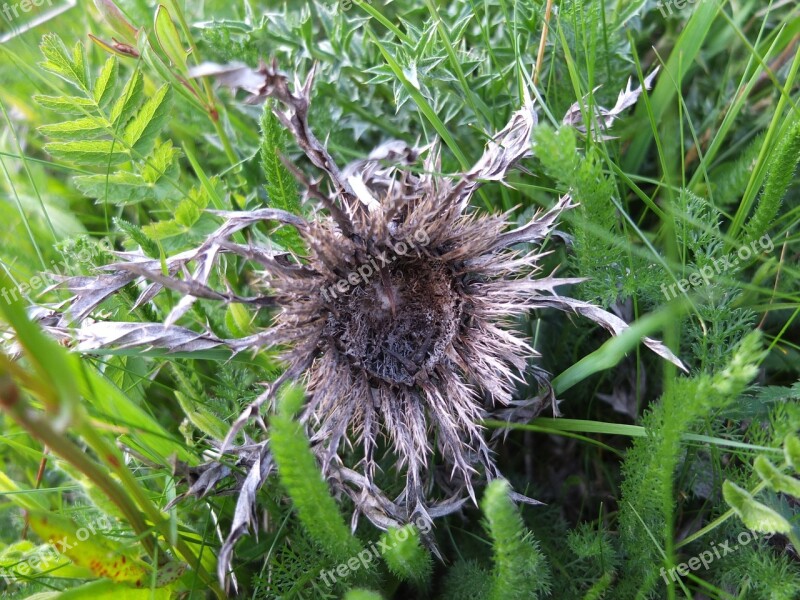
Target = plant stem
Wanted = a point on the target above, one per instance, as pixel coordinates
(542, 41)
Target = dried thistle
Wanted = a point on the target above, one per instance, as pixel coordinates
(397, 320)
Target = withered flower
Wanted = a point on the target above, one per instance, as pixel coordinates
(399, 319)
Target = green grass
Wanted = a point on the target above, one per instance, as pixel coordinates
(632, 475)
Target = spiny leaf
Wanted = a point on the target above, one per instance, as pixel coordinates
(281, 186)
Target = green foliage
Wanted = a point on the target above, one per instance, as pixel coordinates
(597, 561)
(754, 515)
(755, 572)
(280, 184)
(110, 133)
(520, 568)
(779, 177)
(659, 201)
(729, 180)
(775, 479)
(792, 451)
(139, 237)
(191, 401)
(404, 555)
(186, 215)
(720, 322)
(361, 594)
(598, 253)
(466, 580)
(757, 515)
(300, 475)
(648, 494)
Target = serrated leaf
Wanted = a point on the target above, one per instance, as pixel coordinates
(163, 230)
(775, 479)
(70, 105)
(79, 63)
(169, 39)
(120, 188)
(106, 82)
(89, 152)
(58, 61)
(87, 127)
(191, 208)
(129, 100)
(159, 163)
(148, 246)
(143, 129)
(755, 516)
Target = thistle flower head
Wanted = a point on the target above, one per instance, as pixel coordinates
(399, 319)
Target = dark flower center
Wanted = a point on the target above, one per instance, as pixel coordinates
(397, 325)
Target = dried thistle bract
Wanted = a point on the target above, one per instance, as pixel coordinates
(398, 319)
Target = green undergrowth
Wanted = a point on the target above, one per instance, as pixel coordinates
(685, 224)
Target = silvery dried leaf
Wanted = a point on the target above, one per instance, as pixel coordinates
(606, 116)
